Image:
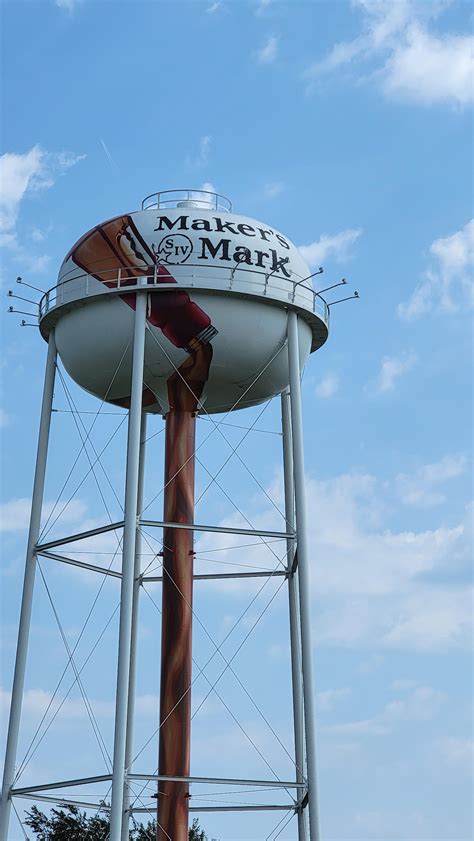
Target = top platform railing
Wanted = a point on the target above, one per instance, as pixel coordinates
(182, 198)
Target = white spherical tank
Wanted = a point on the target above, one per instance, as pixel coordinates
(218, 286)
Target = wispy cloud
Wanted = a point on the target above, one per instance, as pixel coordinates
(328, 386)
(459, 751)
(422, 488)
(273, 189)
(391, 369)
(23, 255)
(208, 187)
(215, 7)
(40, 234)
(68, 5)
(201, 194)
(21, 174)
(268, 53)
(398, 597)
(262, 7)
(108, 155)
(421, 704)
(335, 246)
(15, 514)
(5, 419)
(201, 158)
(448, 286)
(403, 57)
(329, 698)
(37, 701)
(18, 173)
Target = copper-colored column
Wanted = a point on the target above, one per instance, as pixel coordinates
(184, 388)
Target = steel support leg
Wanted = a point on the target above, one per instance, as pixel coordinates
(28, 587)
(134, 638)
(303, 572)
(295, 642)
(128, 570)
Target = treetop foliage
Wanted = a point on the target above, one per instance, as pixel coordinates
(70, 824)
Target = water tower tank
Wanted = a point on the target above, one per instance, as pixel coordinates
(216, 281)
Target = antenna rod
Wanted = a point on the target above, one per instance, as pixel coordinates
(21, 312)
(350, 298)
(11, 294)
(341, 283)
(320, 271)
(36, 288)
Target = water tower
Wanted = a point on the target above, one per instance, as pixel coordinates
(221, 315)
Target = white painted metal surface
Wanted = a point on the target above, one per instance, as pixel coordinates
(211, 277)
(28, 589)
(128, 575)
(303, 575)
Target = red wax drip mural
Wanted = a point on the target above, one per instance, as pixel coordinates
(118, 245)
(184, 390)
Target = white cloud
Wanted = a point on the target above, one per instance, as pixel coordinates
(422, 487)
(214, 7)
(404, 58)
(37, 700)
(448, 286)
(371, 583)
(391, 369)
(5, 419)
(69, 5)
(273, 189)
(268, 53)
(327, 247)
(420, 705)
(39, 235)
(329, 698)
(201, 158)
(459, 751)
(200, 195)
(385, 824)
(17, 174)
(328, 386)
(15, 514)
(432, 618)
(429, 69)
(403, 685)
(21, 174)
(204, 149)
(209, 187)
(263, 5)
(21, 254)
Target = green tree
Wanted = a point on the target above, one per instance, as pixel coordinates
(70, 824)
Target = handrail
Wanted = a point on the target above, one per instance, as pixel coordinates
(153, 270)
(218, 202)
(118, 281)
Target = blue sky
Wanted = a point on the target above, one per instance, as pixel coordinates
(348, 126)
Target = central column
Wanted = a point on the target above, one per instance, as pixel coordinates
(184, 390)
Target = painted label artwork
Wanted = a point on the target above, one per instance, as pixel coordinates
(185, 257)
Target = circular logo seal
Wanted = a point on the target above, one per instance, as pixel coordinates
(174, 249)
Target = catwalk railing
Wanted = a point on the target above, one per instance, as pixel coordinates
(235, 280)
